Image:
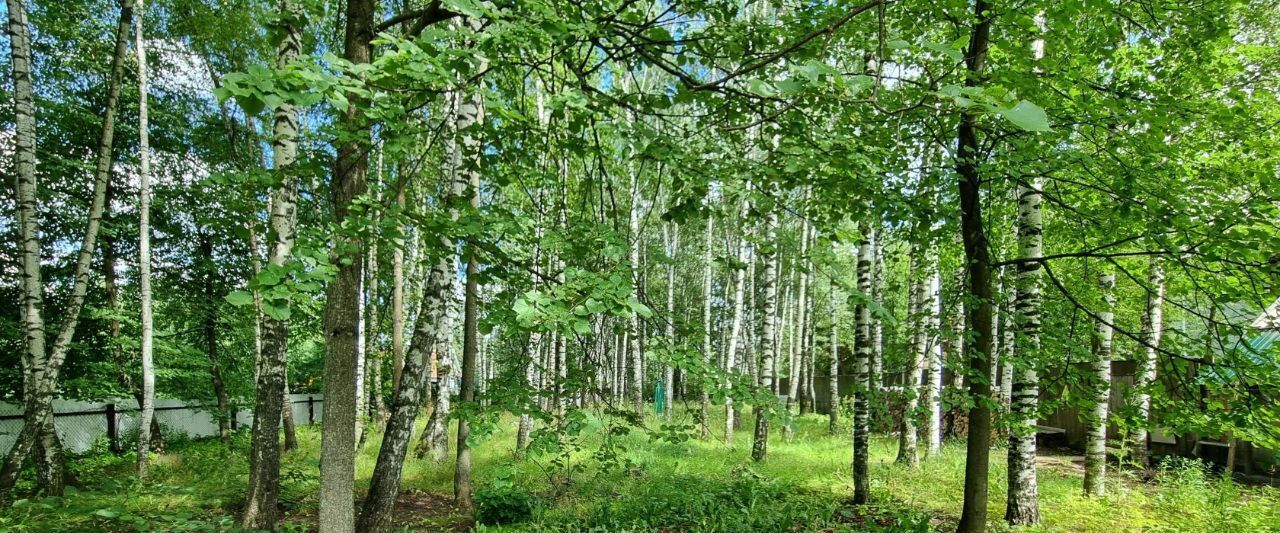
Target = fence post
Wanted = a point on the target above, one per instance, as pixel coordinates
(311, 410)
(113, 432)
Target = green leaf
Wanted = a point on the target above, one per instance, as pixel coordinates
(638, 307)
(278, 312)
(107, 513)
(761, 88)
(1027, 116)
(239, 298)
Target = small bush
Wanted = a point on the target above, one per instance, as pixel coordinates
(502, 504)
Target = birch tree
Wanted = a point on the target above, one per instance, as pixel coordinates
(1022, 505)
(862, 387)
(1145, 378)
(760, 444)
(264, 453)
(1095, 447)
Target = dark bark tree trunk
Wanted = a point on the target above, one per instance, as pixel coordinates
(973, 516)
(342, 297)
(210, 330)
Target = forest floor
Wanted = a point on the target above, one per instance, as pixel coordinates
(641, 482)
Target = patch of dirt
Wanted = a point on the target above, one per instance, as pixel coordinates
(415, 510)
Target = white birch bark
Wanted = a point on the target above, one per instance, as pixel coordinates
(144, 250)
(1022, 505)
(1152, 331)
(760, 445)
(1095, 448)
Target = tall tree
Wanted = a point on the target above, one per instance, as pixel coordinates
(470, 121)
(862, 389)
(707, 278)
(908, 453)
(760, 445)
(342, 295)
(260, 507)
(932, 389)
(1145, 378)
(1095, 447)
(41, 366)
(973, 516)
(144, 251)
(1022, 505)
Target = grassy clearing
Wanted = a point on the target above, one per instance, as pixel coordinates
(689, 486)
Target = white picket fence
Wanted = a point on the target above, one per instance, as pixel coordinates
(82, 424)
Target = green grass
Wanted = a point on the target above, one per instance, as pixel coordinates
(690, 485)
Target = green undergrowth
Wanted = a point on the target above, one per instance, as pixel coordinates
(645, 481)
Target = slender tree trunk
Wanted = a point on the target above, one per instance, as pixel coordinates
(397, 304)
(470, 118)
(342, 298)
(260, 508)
(1152, 331)
(210, 327)
(1095, 447)
(797, 332)
(1023, 505)
(1007, 343)
(361, 355)
(908, 453)
(286, 415)
(730, 355)
(973, 516)
(760, 446)
(668, 373)
(144, 251)
(375, 408)
(833, 370)
(430, 334)
(877, 325)
(41, 367)
(709, 245)
(636, 390)
(862, 389)
(935, 365)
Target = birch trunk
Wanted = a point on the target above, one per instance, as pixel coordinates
(760, 446)
(397, 304)
(430, 334)
(908, 453)
(435, 439)
(1022, 502)
(797, 332)
(144, 251)
(41, 367)
(862, 387)
(730, 355)
(877, 325)
(470, 118)
(260, 509)
(833, 370)
(1095, 447)
(708, 244)
(1152, 331)
(934, 365)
